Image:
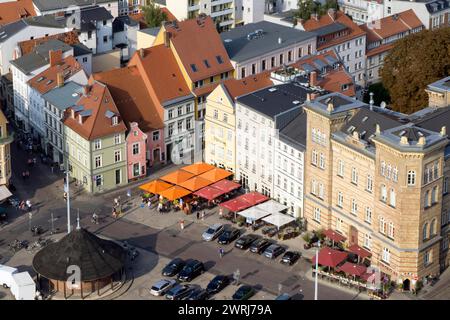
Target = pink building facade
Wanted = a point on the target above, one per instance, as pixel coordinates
(136, 152)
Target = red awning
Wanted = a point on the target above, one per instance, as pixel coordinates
(332, 235)
(330, 257)
(209, 193)
(353, 269)
(226, 185)
(253, 198)
(235, 205)
(362, 253)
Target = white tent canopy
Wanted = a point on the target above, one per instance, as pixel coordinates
(278, 219)
(4, 193)
(253, 214)
(271, 206)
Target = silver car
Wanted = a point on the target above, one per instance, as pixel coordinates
(162, 286)
(213, 232)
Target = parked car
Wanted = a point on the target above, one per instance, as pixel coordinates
(229, 235)
(260, 245)
(192, 269)
(273, 251)
(213, 232)
(173, 267)
(217, 284)
(162, 286)
(197, 294)
(179, 292)
(284, 296)
(290, 257)
(245, 241)
(243, 293)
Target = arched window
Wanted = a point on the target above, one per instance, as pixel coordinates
(424, 231)
(433, 228)
(427, 199)
(321, 190)
(411, 178)
(383, 193)
(434, 195)
(383, 168)
(392, 199)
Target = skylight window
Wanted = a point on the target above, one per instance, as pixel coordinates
(219, 59)
(402, 133)
(365, 119)
(351, 129)
(40, 79)
(194, 67)
(49, 81)
(272, 89)
(206, 63)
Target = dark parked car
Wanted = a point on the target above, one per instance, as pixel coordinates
(179, 292)
(245, 241)
(243, 293)
(217, 284)
(274, 251)
(173, 267)
(192, 269)
(197, 294)
(229, 235)
(260, 245)
(290, 257)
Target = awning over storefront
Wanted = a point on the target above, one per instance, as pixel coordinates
(177, 177)
(334, 236)
(198, 168)
(195, 183)
(216, 174)
(352, 269)
(254, 198)
(174, 193)
(4, 193)
(360, 252)
(271, 206)
(254, 214)
(209, 193)
(329, 257)
(235, 205)
(226, 185)
(155, 186)
(279, 219)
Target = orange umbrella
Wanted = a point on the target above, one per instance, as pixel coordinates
(216, 174)
(155, 186)
(177, 177)
(174, 193)
(195, 183)
(198, 168)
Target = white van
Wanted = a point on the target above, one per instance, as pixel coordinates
(6, 275)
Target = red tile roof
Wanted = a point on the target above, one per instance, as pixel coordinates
(247, 85)
(391, 25)
(13, 11)
(68, 67)
(98, 102)
(131, 97)
(69, 38)
(198, 45)
(328, 19)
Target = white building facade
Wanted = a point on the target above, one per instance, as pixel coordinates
(363, 11)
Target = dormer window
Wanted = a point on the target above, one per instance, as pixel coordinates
(115, 120)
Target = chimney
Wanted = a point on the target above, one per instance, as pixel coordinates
(313, 78)
(59, 79)
(86, 90)
(332, 13)
(141, 53)
(55, 57)
(167, 39)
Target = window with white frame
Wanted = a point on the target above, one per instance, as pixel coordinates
(383, 168)
(322, 161)
(354, 207)
(354, 176)
(368, 215)
(97, 144)
(339, 223)
(427, 258)
(135, 148)
(117, 155)
(411, 178)
(425, 231)
(316, 215)
(395, 174)
(427, 199)
(340, 199)
(434, 193)
(382, 227)
(433, 228)
(314, 157)
(321, 191)
(340, 168)
(98, 161)
(386, 255)
(391, 230)
(117, 138)
(367, 241)
(314, 187)
(383, 193)
(369, 186)
(388, 171)
(392, 198)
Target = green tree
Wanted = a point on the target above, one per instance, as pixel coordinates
(413, 63)
(153, 15)
(380, 94)
(306, 8)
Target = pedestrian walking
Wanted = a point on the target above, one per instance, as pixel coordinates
(149, 204)
(28, 203)
(198, 215)
(221, 252)
(182, 224)
(220, 213)
(129, 195)
(203, 215)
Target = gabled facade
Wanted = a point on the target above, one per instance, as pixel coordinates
(136, 152)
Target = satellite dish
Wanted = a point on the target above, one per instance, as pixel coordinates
(383, 104)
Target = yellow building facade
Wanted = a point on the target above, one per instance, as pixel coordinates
(5, 151)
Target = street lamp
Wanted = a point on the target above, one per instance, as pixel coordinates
(316, 282)
(66, 187)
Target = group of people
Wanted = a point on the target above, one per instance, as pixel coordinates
(25, 205)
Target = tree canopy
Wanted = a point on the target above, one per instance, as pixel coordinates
(414, 62)
(153, 15)
(308, 7)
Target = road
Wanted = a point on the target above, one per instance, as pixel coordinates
(45, 190)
